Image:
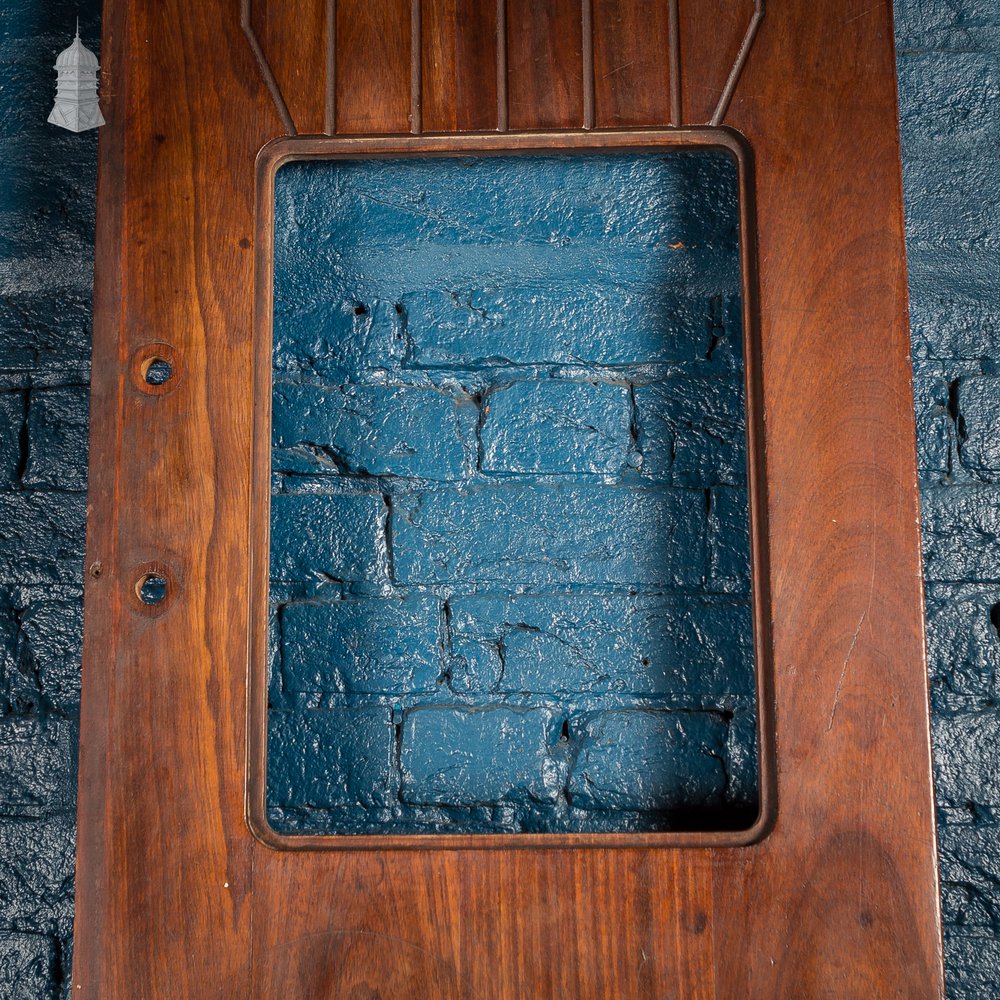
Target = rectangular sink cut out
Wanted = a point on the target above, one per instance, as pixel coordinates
(510, 559)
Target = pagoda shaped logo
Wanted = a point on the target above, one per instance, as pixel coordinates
(76, 106)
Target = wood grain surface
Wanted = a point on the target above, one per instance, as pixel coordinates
(296, 51)
(545, 66)
(374, 42)
(837, 895)
(459, 73)
(706, 56)
(632, 63)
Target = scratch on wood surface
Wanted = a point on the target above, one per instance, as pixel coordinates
(618, 69)
(843, 669)
(864, 13)
(857, 630)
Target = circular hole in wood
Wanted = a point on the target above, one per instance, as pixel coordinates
(151, 589)
(157, 371)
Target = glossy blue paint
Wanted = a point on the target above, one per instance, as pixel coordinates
(46, 263)
(949, 74)
(949, 63)
(509, 510)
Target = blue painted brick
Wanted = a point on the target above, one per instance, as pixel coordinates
(57, 439)
(41, 537)
(275, 678)
(963, 646)
(317, 537)
(979, 409)
(972, 967)
(27, 966)
(729, 541)
(364, 271)
(692, 431)
(11, 421)
(582, 324)
(45, 323)
(934, 425)
(935, 264)
(927, 24)
(336, 339)
(954, 215)
(967, 512)
(363, 645)
(413, 432)
(489, 265)
(648, 760)
(330, 758)
(526, 202)
(970, 884)
(968, 861)
(946, 98)
(51, 640)
(47, 199)
(556, 427)
(468, 756)
(36, 872)
(19, 688)
(970, 878)
(692, 649)
(742, 749)
(952, 320)
(966, 909)
(949, 83)
(968, 755)
(36, 766)
(517, 534)
(402, 281)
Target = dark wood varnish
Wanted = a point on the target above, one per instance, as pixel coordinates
(459, 66)
(632, 63)
(545, 65)
(296, 54)
(837, 895)
(706, 57)
(373, 43)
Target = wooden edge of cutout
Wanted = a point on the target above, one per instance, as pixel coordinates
(271, 158)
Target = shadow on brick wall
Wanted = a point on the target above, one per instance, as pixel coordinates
(47, 182)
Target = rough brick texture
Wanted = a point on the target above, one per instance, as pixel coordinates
(949, 71)
(510, 581)
(949, 63)
(46, 274)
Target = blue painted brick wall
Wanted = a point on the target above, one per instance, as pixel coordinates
(949, 71)
(949, 62)
(46, 262)
(510, 553)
